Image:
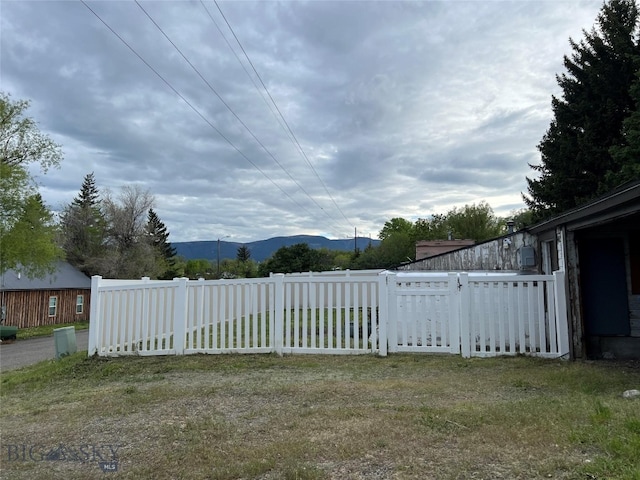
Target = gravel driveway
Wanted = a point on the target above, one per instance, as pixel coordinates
(21, 353)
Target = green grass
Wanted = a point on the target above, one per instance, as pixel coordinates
(246, 332)
(47, 330)
(322, 417)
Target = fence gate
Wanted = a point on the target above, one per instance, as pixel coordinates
(424, 306)
(478, 314)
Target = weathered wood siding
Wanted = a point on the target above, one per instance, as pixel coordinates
(498, 254)
(31, 308)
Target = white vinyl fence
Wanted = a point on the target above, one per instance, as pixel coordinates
(478, 314)
(332, 313)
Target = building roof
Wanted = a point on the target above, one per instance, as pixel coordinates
(621, 202)
(64, 277)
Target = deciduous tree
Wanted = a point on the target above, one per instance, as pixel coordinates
(477, 222)
(27, 231)
(394, 226)
(433, 228)
(21, 142)
(130, 253)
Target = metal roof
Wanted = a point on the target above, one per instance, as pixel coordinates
(64, 277)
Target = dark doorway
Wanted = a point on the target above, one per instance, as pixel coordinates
(604, 288)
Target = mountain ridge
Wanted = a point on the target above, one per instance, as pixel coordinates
(263, 249)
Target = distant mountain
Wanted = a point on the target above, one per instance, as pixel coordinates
(263, 249)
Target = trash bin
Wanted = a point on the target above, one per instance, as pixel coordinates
(65, 341)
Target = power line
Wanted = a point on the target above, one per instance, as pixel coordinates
(230, 109)
(281, 115)
(264, 99)
(192, 106)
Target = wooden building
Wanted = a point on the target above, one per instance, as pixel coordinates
(431, 248)
(61, 297)
(598, 246)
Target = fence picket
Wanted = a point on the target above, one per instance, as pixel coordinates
(531, 316)
(500, 306)
(464, 300)
(541, 318)
(492, 296)
(278, 319)
(452, 329)
(345, 315)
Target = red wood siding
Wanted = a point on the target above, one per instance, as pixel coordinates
(31, 308)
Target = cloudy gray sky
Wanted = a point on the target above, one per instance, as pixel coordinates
(396, 109)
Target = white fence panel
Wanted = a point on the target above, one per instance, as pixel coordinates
(510, 315)
(333, 313)
(229, 316)
(133, 318)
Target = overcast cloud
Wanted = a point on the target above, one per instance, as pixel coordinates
(401, 109)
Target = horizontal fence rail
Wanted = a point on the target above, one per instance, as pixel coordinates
(332, 313)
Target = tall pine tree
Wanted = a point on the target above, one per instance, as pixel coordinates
(627, 155)
(158, 236)
(84, 228)
(588, 119)
(243, 254)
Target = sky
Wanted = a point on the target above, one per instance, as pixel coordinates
(249, 120)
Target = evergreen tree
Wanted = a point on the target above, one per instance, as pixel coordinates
(83, 228)
(158, 236)
(89, 196)
(628, 154)
(245, 268)
(243, 253)
(588, 119)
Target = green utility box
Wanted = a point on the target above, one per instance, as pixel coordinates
(65, 341)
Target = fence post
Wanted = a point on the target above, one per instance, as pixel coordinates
(562, 326)
(144, 324)
(454, 314)
(279, 312)
(95, 322)
(392, 312)
(180, 317)
(383, 313)
(464, 317)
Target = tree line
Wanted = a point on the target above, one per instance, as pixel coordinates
(591, 147)
(120, 235)
(116, 236)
